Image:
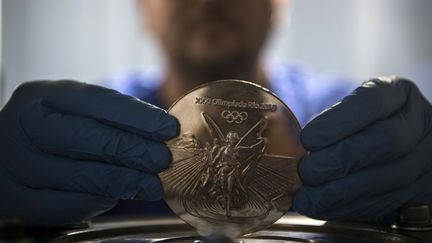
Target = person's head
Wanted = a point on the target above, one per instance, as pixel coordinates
(214, 38)
(232, 138)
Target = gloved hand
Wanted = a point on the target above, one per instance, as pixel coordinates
(69, 151)
(369, 155)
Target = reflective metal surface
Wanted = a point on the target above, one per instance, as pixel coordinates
(415, 218)
(235, 161)
(291, 228)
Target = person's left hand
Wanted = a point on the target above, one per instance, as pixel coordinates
(370, 154)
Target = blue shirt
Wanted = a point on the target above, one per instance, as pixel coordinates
(306, 95)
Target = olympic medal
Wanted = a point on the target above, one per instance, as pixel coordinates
(234, 163)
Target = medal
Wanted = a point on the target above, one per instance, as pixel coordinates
(234, 163)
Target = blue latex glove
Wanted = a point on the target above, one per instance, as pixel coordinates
(69, 151)
(369, 155)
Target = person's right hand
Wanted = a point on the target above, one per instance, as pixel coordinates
(70, 150)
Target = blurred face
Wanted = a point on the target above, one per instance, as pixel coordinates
(209, 35)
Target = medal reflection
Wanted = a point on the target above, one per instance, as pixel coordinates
(228, 171)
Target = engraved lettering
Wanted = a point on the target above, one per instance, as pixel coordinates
(235, 104)
(202, 100)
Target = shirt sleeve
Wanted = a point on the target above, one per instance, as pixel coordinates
(138, 82)
(322, 92)
(305, 93)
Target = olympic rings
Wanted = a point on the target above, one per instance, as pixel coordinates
(234, 116)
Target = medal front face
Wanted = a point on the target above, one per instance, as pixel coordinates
(234, 164)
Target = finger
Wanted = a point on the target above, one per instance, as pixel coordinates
(63, 174)
(384, 140)
(110, 107)
(383, 208)
(83, 138)
(375, 100)
(369, 182)
(48, 207)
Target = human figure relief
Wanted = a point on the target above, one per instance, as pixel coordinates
(229, 164)
(224, 177)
